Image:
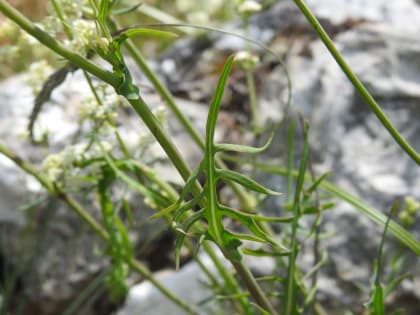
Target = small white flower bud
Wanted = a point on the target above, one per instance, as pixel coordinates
(246, 59)
(249, 7)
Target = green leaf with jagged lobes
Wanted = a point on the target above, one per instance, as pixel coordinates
(243, 148)
(244, 181)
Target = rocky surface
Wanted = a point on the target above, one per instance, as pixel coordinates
(59, 252)
(380, 41)
(383, 49)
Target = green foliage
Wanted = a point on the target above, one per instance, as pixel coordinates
(211, 210)
(196, 211)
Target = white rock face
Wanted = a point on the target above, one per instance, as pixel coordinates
(187, 284)
(401, 14)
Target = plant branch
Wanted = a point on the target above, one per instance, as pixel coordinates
(368, 98)
(247, 200)
(86, 217)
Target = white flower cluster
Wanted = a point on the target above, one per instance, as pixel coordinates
(106, 111)
(72, 9)
(10, 52)
(83, 31)
(64, 166)
(55, 165)
(84, 36)
(7, 29)
(247, 60)
(36, 75)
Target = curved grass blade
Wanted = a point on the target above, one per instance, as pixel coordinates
(243, 148)
(245, 181)
(289, 299)
(375, 215)
(377, 306)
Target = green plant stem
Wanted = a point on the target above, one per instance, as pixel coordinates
(247, 200)
(27, 167)
(253, 101)
(290, 162)
(138, 104)
(85, 216)
(174, 155)
(172, 194)
(290, 304)
(227, 277)
(154, 126)
(60, 15)
(253, 287)
(368, 98)
(167, 145)
(141, 269)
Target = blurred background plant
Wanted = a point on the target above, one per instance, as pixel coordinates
(91, 164)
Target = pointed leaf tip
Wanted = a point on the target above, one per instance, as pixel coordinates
(244, 148)
(246, 182)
